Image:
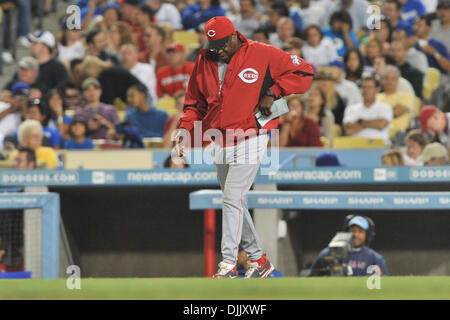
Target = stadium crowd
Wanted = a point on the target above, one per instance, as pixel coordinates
(119, 77)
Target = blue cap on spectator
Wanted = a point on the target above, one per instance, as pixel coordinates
(328, 160)
(336, 63)
(360, 222)
(20, 88)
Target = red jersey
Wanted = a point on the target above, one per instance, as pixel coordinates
(254, 68)
(169, 81)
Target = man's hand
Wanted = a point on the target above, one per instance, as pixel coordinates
(265, 105)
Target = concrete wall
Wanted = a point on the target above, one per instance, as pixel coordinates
(150, 232)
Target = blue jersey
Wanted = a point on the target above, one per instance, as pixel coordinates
(86, 144)
(413, 9)
(358, 260)
(441, 49)
(339, 40)
(149, 123)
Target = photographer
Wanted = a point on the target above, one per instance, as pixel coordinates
(348, 254)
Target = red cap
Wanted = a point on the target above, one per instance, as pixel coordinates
(218, 30)
(175, 46)
(425, 114)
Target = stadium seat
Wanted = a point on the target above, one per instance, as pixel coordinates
(358, 143)
(121, 114)
(152, 143)
(432, 81)
(188, 39)
(337, 131)
(108, 159)
(417, 106)
(167, 104)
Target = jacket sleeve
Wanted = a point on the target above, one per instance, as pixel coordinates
(290, 74)
(195, 104)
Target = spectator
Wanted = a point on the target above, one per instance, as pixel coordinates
(415, 144)
(128, 11)
(328, 159)
(69, 44)
(413, 75)
(175, 76)
(298, 130)
(78, 131)
(357, 9)
(166, 13)
(401, 103)
(341, 33)
(374, 48)
(434, 154)
(382, 34)
(294, 45)
(39, 110)
(72, 98)
(129, 134)
(97, 43)
(317, 111)
(334, 101)
(155, 54)
(380, 63)
(247, 21)
(413, 56)
(393, 11)
(51, 71)
(113, 91)
(144, 18)
(412, 9)
(354, 66)
(435, 124)
(172, 122)
(118, 35)
(75, 67)
(312, 13)
(100, 117)
(371, 118)
(200, 12)
(93, 9)
(318, 50)
(24, 159)
(392, 158)
(201, 36)
(12, 110)
(28, 73)
(58, 119)
(145, 72)
(148, 120)
(261, 35)
(361, 256)
(277, 10)
(285, 30)
(440, 28)
(436, 52)
(30, 135)
(348, 90)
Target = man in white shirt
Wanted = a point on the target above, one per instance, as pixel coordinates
(414, 57)
(145, 72)
(370, 119)
(312, 13)
(247, 20)
(358, 10)
(166, 13)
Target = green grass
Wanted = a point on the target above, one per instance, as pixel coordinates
(221, 289)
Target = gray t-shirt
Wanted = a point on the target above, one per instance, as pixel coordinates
(440, 34)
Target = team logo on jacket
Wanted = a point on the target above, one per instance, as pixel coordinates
(248, 75)
(295, 60)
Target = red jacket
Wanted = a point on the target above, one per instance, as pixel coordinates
(253, 69)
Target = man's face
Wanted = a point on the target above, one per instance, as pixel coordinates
(391, 12)
(443, 15)
(246, 7)
(369, 91)
(229, 49)
(129, 56)
(134, 98)
(398, 53)
(21, 161)
(421, 29)
(153, 37)
(286, 30)
(92, 94)
(27, 75)
(359, 236)
(390, 81)
(175, 58)
(99, 42)
(379, 64)
(128, 12)
(35, 114)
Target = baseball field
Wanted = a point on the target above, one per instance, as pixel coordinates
(227, 289)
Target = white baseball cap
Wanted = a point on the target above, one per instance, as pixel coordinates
(44, 37)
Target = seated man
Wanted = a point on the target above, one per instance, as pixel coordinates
(434, 154)
(402, 103)
(435, 124)
(148, 120)
(371, 118)
(24, 159)
(101, 117)
(361, 257)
